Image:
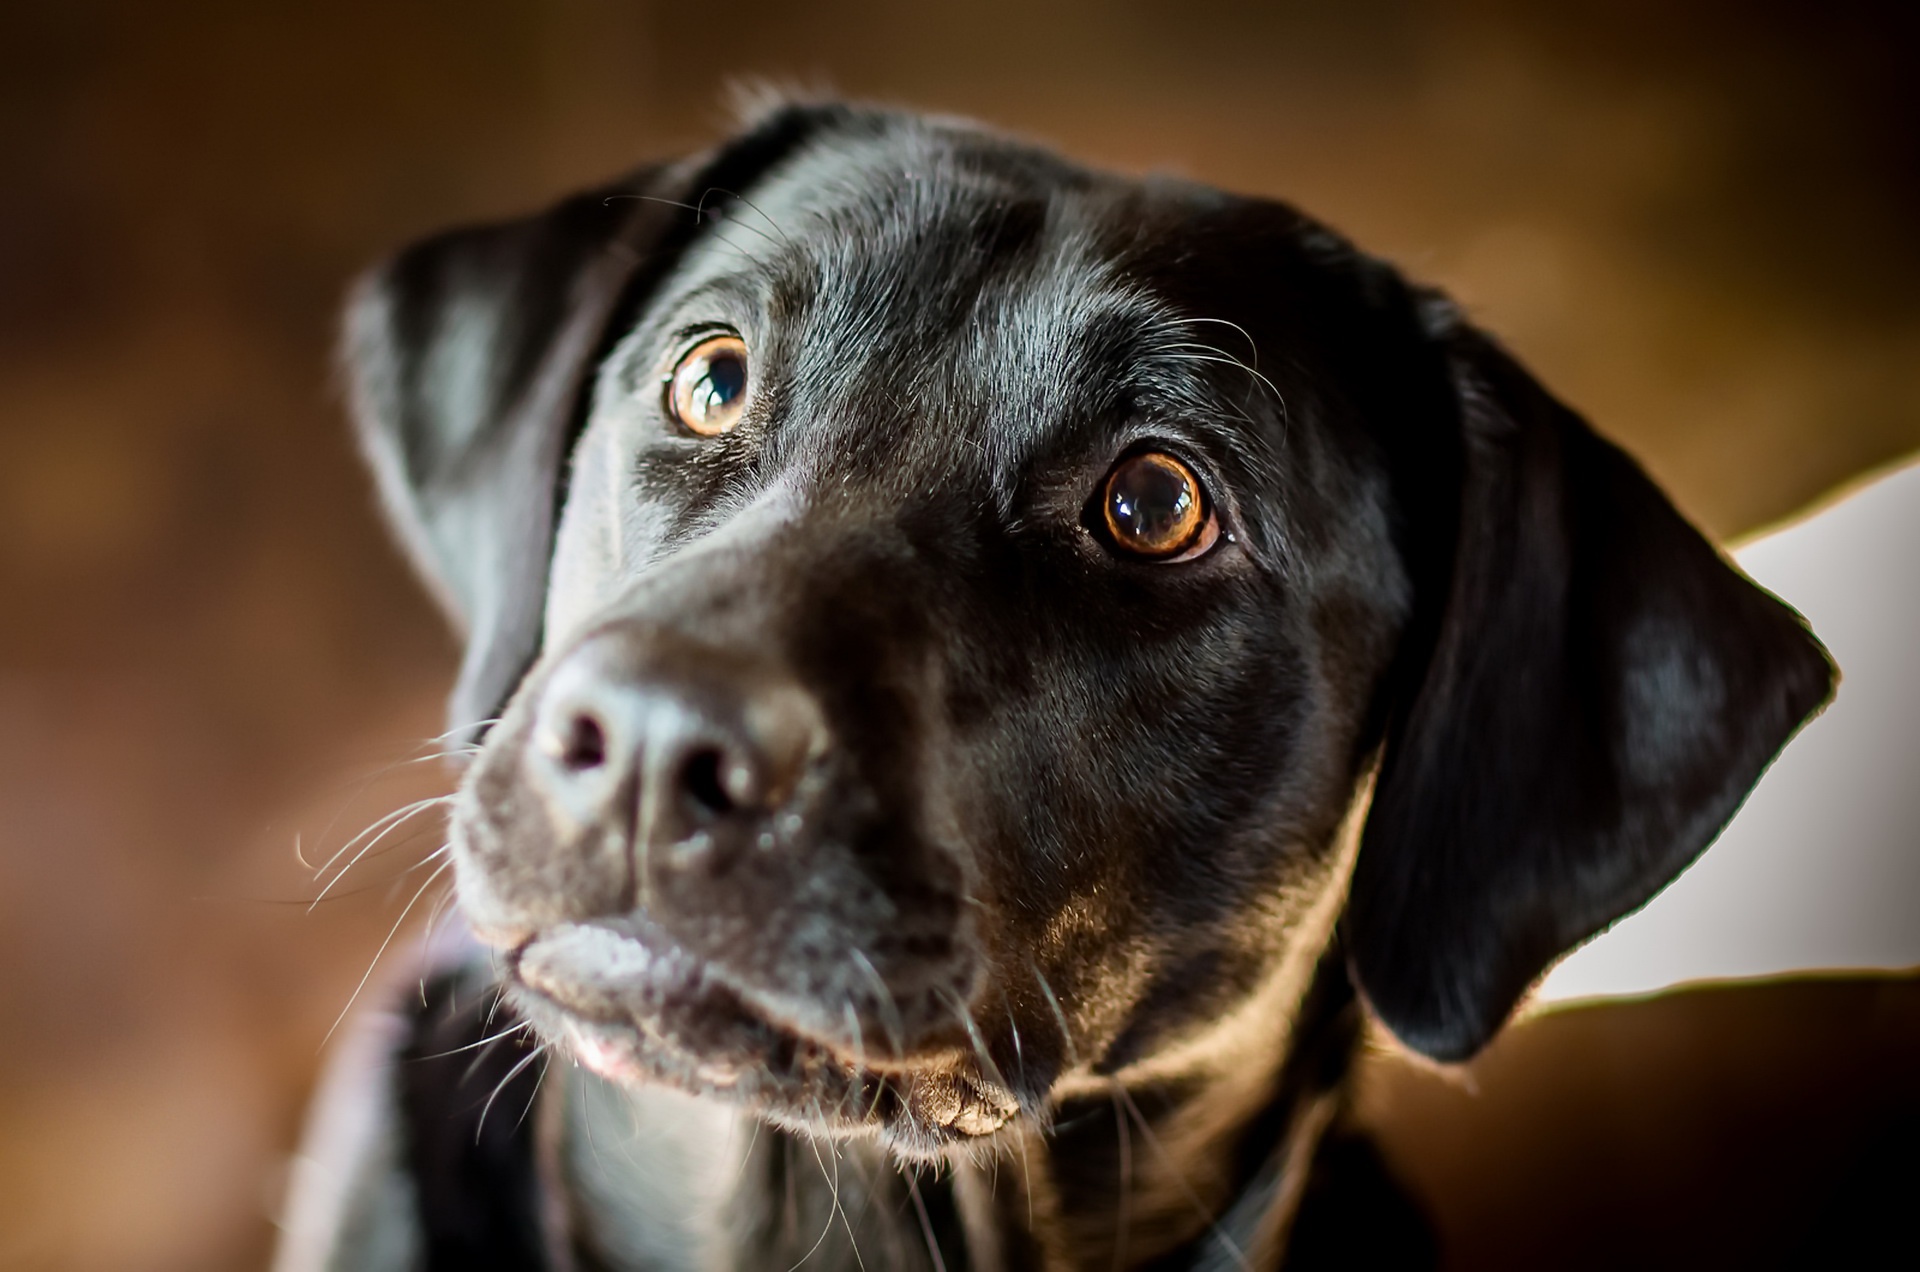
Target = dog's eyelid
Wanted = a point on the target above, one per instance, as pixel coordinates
(728, 305)
(685, 338)
(645, 358)
(1197, 455)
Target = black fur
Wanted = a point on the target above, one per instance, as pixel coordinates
(1039, 843)
(467, 1083)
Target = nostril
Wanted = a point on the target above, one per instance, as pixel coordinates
(585, 744)
(700, 778)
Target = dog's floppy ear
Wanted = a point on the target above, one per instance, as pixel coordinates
(1602, 691)
(471, 355)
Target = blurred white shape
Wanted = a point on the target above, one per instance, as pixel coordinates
(1821, 868)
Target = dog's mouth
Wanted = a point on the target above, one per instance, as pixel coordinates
(634, 1006)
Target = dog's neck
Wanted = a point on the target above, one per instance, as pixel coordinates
(1201, 1171)
(1197, 1158)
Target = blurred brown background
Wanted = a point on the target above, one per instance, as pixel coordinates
(1699, 226)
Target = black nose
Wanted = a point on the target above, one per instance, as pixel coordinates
(679, 741)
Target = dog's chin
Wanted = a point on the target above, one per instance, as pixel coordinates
(636, 1008)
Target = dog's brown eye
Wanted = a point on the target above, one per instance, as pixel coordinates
(1155, 507)
(708, 390)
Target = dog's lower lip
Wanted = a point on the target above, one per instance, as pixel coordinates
(615, 988)
(612, 1052)
(633, 1013)
(636, 980)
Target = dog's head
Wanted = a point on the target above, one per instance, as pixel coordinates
(942, 604)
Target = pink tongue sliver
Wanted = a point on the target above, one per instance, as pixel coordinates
(602, 1059)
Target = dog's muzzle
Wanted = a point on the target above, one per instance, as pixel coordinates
(682, 861)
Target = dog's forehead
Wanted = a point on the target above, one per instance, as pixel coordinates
(927, 274)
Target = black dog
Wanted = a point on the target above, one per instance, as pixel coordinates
(997, 665)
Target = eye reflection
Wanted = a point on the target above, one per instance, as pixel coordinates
(708, 389)
(1155, 507)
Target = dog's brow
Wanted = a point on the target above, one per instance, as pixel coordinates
(742, 288)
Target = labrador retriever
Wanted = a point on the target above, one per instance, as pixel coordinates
(987, 675)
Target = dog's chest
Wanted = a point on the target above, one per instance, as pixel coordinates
(647, 1174)
(659, 1181)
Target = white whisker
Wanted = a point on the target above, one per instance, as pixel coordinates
(699, 211)
(440, 906)
(926, 1221)
(1059, 1016)
(508, 1032)
(1153, 1142)
(503, 1083)
(890, 1020)
(977, 1039)
(393, 821)
(546, 1066)
(391, 933)
(852, 1092)
(1123, 1217)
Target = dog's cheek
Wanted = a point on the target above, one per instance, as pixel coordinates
(1161, 826)
(487, 884)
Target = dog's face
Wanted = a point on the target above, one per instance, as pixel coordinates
(932, 631)
(980, 590)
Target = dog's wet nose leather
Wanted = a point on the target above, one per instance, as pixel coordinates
(686, 748)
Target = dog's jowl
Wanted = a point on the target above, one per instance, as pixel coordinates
(987, 676)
